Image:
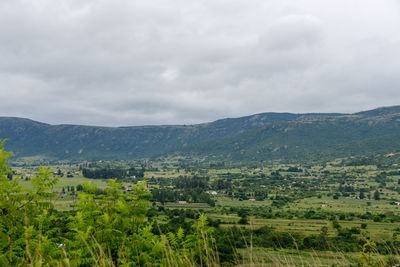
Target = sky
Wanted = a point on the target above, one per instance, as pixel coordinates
(131, 62)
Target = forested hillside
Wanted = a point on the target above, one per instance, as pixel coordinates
(257, 137)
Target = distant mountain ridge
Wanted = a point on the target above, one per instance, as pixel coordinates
(256, 137)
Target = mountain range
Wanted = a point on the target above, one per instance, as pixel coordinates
(257, 137)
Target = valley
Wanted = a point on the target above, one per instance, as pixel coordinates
(348, 201)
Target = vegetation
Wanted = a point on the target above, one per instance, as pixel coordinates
(256, 138)
(241, 215)
(106, 229)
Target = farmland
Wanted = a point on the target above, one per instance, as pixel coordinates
(337, 201)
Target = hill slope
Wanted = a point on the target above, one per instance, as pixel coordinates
(257, 137)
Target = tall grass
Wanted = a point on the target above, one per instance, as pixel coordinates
(252, 257)
(205, 253)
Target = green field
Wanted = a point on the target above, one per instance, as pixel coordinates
(299, 203)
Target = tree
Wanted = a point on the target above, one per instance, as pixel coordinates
(323, 237)
(243, 216)
(243, 220)
(336, 225)
(377, 195)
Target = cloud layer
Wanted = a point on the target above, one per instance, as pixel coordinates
(127, 62)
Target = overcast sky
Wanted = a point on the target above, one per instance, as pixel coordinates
(130, 62)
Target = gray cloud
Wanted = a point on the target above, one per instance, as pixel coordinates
(165, 62)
